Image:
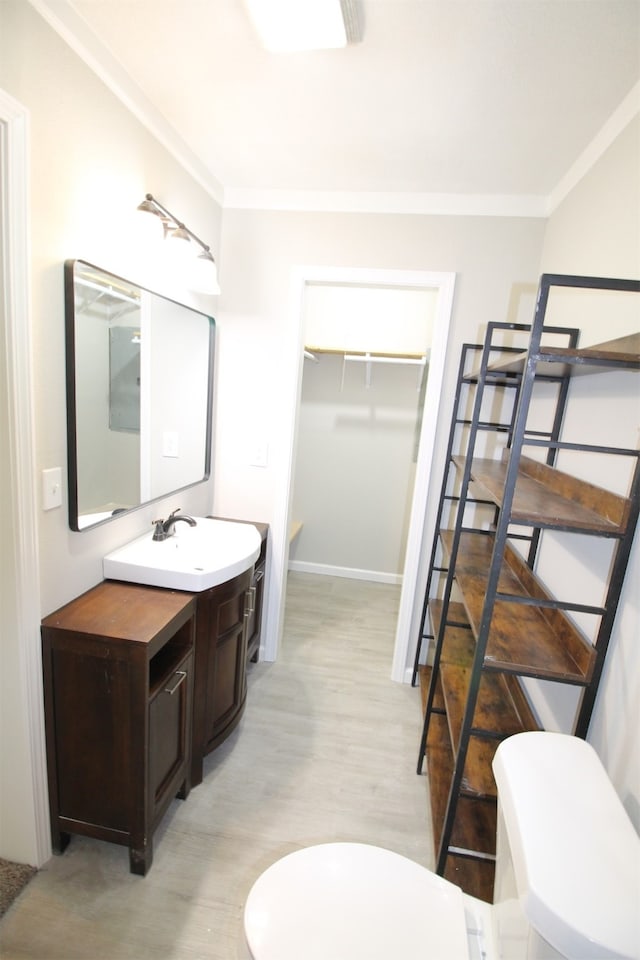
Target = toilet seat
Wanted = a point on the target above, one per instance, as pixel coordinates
(351, 901)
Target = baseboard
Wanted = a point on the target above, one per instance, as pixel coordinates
(349, 573)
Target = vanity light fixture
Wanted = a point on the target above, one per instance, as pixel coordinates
(287, 26)
(204, 271)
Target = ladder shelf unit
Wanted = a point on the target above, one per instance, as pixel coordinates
(490, 623)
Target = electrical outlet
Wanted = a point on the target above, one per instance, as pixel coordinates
(51, 488)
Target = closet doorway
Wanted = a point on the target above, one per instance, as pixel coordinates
(366, 417)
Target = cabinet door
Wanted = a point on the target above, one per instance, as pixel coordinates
(229, 685)
(90, 737)
(169, 737)
(226, 669)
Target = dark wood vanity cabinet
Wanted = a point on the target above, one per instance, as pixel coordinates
(140, 684)
(118, 684)
(258, 585)
(228, 624)
(222, 619)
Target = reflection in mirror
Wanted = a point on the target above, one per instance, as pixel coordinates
(139, 394)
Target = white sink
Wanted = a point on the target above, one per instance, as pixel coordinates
(192, 558)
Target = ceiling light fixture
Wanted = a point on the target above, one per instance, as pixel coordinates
(204, 273)
(286, 26)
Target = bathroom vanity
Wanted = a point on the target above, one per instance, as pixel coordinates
(140, 684)
(145, 674)
(118, 666)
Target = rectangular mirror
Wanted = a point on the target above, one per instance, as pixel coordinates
(139, 394)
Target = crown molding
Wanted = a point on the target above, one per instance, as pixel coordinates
(67, 22)
(619, 119)
(434, 204)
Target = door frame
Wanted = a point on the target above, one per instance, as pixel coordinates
(410, 602)
(21, 498)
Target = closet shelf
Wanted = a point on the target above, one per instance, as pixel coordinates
(547, 498)
(364, 355)
(532, 641)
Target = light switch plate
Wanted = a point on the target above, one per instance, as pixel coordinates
(170, 444)
(52, 488)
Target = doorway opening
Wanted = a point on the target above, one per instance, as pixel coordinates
(365, 373)
(440, 286)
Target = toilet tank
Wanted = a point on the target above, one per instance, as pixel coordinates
(568, 857)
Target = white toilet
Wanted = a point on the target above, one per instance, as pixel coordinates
(567, 879)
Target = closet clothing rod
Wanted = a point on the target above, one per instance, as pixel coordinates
(369, 358)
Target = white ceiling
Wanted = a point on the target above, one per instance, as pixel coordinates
(470, 97)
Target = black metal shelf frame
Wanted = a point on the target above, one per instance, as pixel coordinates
(534, 369)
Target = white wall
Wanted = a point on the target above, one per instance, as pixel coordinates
(596, 231)
(260, 338)
(355, 468)
(91, 164)
(373, 319)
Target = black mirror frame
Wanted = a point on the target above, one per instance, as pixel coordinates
(70, 357)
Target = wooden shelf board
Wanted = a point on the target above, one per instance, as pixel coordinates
(459, 643)
(496, 377)
(501, 707)
(424, 679)
(375, 354)
(523, 639)
(477, 778)
(536, 503)
(496, 709)
(424, 673)
(621, 353)
(474, 877)
(475, 825)
(475, 822)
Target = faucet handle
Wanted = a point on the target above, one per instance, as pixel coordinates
(159, 533)
(177, 510)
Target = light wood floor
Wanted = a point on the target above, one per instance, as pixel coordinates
(326, 751)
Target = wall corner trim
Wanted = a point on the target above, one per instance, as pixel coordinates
(61, 17)
(21, 497)
(619, 119)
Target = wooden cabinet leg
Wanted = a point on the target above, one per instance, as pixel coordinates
(59, 841)
(185, 789)
(140, 859)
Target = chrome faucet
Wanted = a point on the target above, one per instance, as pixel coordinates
(164, 528)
